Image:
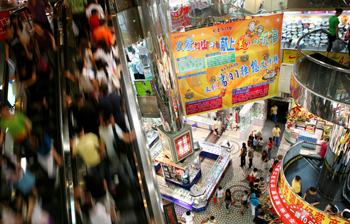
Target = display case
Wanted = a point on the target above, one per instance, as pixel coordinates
(259, 113)
(246, 116)
(152, 137)
(201, 121)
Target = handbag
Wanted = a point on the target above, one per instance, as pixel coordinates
(119, 145)
(215, 200)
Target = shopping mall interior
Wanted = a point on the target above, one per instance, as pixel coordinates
(174, 111)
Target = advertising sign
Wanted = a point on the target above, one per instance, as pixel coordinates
(228, 64)
(145, 88)
(4, 17)
(180, 17)
(183, 146)
(289, 56)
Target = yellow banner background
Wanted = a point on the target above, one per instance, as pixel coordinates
(208, 71)
(289, 56)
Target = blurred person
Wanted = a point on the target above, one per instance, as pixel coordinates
(42, 144)
(220, 195)
(260, 144)
(13, 42)
(275, 163)
(93, 5)
(255, 142)
(18, 125)
(243, 154)
(312, 197)
(276, 131)
(244, 200)
(76, 9)
(269, 147)
(254, 188)
(106, 54)
(261, 220)
(26, 76)
(251, 156)
(322, 153)
(274, 110)
(253, 175)
(264, 160)
(254, 201)
(85, 53)
(85, 79)
(103, 33)
(94, 21)
(212, 220)
(331, 209)
(84, 115)
(258, 210)
(296, 185)
(216, 127)
(230, 121)
(262, 183)
(345, 214)
(112, 103)
(106, 75)
(39, 10)
(95, 211)
(333, 29)
(22, 31)
(44, 43)
(188, 216)
(229, 199)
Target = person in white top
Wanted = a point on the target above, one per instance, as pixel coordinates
(212, 220)
(230, 120)
(220, 195)
(107, 76)
(97, 7)
(253, 175)
(188, 216)
(331, 209)
(345, 214)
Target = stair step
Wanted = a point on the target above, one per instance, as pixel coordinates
(313, 163)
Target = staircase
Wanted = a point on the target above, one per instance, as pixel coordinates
(314, 163)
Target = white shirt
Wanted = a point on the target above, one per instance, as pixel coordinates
(102, 77)
(244, 197)
(107, 136)
(254, 174)
(188, 218)
(107, 57)
(328, 208)
(97, 7)
(220, 193)
(85, 78)
(99, 214)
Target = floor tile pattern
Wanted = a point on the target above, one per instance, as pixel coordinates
(235, 179)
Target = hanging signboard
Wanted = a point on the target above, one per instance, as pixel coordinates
(228, 64)
(4, 17)
(180, 17)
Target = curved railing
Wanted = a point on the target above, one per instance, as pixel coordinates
(319, 84)
(290, 197)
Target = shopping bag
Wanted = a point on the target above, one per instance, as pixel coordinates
(234, 202)
(338, 46)
(229, 123)
(42, 65)
(215, 200)
(248, 178)
(75, 29)
(215, 132)
(12, 67)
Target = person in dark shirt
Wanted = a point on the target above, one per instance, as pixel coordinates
(312, 197)
(112, 103)
(84, 115)
(260, 219)
(258, 210)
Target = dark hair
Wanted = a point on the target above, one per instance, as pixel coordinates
(339, 10)
(188, 213)
(101, 65)
(104, 46)
(104, 89)
(261, 138)
(276, 162)
(79, 128)
(264, 152)
(259, 206)
(246, 192)
(215, 118)
(346, 214)
(262, 213)
(93, 12)
(334, 209)
(78, 96)
(270, 139)
(244, 145)
(80, 65)
(257, 195)
(312, 189)
(276, 126)
(230, 113)
(256, 181)
(212, 218)
(261, 178)
(228, 191)
(297, 177)
(220, 187)
(102, 22)
(255, 169)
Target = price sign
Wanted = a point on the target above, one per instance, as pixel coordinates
(301, 215)
(183, 146)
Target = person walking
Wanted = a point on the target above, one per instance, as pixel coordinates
(264, 160)
(296, 185)
(216, 126)
(244, 200)
(76, 9)
(229, 199)
(312, 197)
(260, 144)
(243, 154)
(220, 195)
(255, 142)
(254, 201)
(188, 216)
(251, 156)
(276, 131)
(274, 109)
(269, 148)
(230, 122)
(333, 29)
(212, 220)
(323, 151)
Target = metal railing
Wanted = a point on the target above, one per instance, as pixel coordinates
(318, 61)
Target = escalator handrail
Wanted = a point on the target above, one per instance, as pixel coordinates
(318, 61)
(23, 9)
(56, 5)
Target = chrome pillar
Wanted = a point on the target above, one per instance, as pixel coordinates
(157, 27)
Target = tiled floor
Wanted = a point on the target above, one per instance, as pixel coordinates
(235, 179)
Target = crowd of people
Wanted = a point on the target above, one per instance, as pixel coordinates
(97, 126)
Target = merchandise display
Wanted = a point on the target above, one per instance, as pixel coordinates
(201, 121)
(152, 137)
(156, 150)
(296, 24)
(251, 114)
(199, 195)
(149, 125)
(303, 126)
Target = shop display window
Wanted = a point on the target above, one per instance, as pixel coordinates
(246, 120)
(259, 110)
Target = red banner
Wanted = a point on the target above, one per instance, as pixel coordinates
(180, 17)
(4, 17)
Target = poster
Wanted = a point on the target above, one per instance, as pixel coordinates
(289, 56)
(145, 88)
(4, 17)
(228, 64)
(180, 17)
(183, 146)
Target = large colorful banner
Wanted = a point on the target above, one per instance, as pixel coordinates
(228, 64)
